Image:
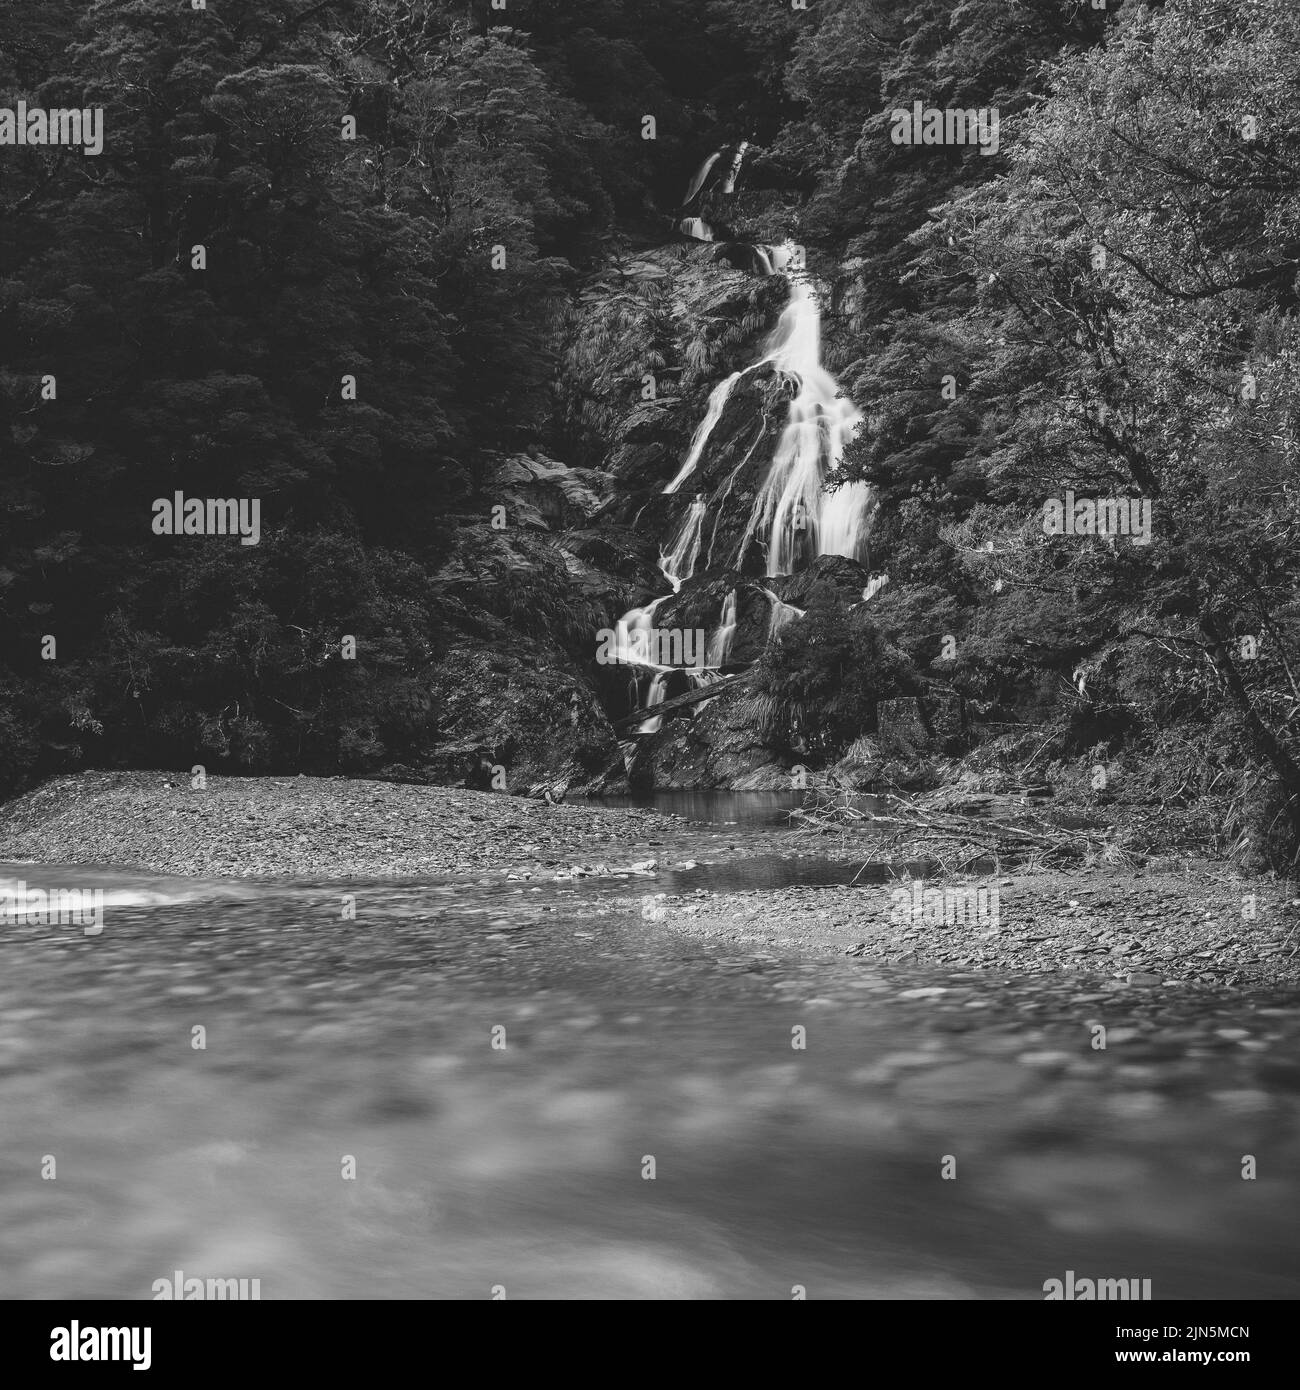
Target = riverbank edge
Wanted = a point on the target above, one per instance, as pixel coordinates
(1195, 920)
(308, 827)
(1162, 929)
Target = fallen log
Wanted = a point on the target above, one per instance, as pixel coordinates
(726, 685)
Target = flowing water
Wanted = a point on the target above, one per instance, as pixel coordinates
(798, 512)
(522, 1166)
(794, 515)
(701, 174)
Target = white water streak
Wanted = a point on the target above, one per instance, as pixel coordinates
(717, 404)
(701, 174)
(655, 697)
(678, 561)
(800, 518)
(781, 615)
(719, 649)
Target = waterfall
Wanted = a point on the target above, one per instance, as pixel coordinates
(875, 582)
(781, 615)
(846, 520)
(717, 404)
(720, 642)
(634, 632)
(701, 174)
(799, 518)
(632, 636)
(781, 255)
(678, 561)
(774, 259)
(655, 697)
(793, 509)
(720, 394)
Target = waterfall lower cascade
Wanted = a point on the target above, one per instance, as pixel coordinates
(875, 582)
(635, 643)
(696, 228)
(794, 514)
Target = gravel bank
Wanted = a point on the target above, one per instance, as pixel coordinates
(309, 827)
(1144, 928)
(1150, 927)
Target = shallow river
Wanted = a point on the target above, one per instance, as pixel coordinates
(525, 1166)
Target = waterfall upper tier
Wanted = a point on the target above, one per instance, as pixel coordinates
(794, 514)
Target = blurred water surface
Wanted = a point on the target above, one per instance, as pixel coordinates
(522, 1167)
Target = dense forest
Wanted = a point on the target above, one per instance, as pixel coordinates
(402, 270)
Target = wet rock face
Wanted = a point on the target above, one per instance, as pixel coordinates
(699, 604)
(541, 492)
(642, 354)
(514, 704)
(717, 747)
(519, 721)
(650, 422)
(826, 574)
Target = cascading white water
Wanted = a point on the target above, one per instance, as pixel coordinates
(792, 508)
(781, 255)
(655, 697)
(798, 515)
(717, 404)
(695, 227)
(633, 635)
(772, 256)
(799, 518)
(781, 614)
(774, 259)
(701, 174)
(875, 582)
(678, 562)
(720, 643)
